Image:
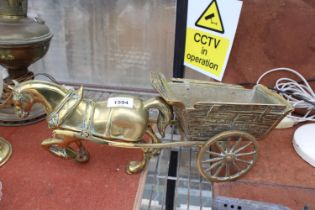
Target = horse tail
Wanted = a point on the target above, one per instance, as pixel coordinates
(165, 112)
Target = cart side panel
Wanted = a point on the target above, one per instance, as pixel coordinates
(206, 120)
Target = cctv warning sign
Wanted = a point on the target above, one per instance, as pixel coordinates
(206, 51)
(211, 27)
(211, 18)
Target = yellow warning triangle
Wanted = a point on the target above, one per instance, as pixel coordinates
(211, 18)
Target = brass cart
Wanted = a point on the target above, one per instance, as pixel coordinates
(223, 120)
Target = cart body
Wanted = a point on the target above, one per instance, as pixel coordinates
(204, 109)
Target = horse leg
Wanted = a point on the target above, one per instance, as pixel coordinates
(61, 146)
(138, 166)
(80, 154)
(148, 153)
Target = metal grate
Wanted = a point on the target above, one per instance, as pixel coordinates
(179, 188)
(224, 203)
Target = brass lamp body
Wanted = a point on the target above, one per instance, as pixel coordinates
(23, 41)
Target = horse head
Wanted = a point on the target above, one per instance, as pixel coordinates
(31, 92)
(22, 100)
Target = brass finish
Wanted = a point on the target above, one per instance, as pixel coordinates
(23, 41)
(222, 120)
(74, 118)
(133, 145)
(13, 8)
(204, 109)
(5, 151)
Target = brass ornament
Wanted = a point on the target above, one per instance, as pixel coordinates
(222, 120)
(74, 118)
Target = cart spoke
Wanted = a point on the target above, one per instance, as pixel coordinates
(227, 156)
(244, 161)
(212, 160)
(243, 147)
(219, 147)
(219, 169)
(213, 166)
(214, 153)
(245, 154)
(237, 143)
(236, 166)
(227, 144)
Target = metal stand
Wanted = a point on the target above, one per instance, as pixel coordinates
(5, 151)
(9, 118)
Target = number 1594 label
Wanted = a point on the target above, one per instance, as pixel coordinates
(120, 102)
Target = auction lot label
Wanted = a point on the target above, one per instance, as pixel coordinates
(211, 27)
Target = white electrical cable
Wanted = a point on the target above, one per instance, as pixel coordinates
(300, 96)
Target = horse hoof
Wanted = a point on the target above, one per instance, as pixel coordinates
(135, 167)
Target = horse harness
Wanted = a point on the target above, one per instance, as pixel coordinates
(67, 106)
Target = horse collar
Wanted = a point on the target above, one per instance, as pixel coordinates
(65, 108)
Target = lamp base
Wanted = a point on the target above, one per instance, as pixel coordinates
(9, 118)
(5, 151)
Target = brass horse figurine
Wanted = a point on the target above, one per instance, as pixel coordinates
(120, 118)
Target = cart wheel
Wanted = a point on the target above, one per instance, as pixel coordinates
(227, 156)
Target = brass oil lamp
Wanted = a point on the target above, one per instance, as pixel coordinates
(23, 41)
